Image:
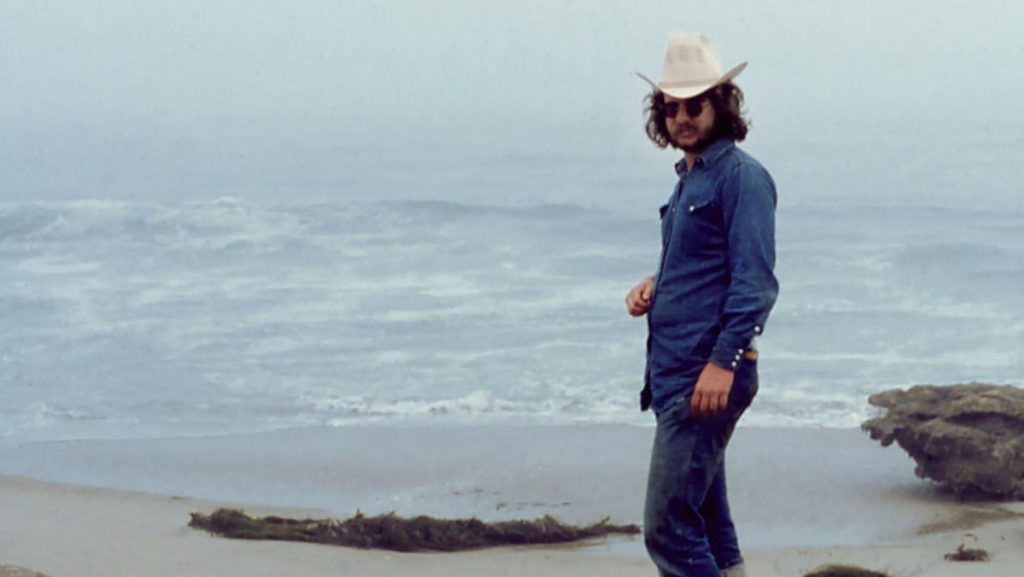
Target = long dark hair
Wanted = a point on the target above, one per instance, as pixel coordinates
(729, 121)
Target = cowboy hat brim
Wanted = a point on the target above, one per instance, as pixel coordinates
(691, 89)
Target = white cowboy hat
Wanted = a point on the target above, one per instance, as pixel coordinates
(691, 67)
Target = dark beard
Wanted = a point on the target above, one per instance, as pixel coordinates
(700, 145)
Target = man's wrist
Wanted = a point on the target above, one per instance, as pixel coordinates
(718, 365)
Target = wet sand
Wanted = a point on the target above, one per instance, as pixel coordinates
(801, 497)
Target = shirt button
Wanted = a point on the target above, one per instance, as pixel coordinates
(692, 208)
(734, 364)
(757, 330)
(740, 351)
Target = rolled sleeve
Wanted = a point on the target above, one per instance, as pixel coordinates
(748, 209)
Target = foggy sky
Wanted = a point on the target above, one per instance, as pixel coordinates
(362, 69)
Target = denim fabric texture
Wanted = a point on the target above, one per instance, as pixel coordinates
(688, 528)
(713, 292)
(715, 284)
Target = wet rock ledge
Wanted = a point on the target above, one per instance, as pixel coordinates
(970, 438)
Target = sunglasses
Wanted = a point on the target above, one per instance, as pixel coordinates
(693, 106)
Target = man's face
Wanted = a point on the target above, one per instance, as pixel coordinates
(692, 125)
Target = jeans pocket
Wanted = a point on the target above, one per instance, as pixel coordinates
(745, 383)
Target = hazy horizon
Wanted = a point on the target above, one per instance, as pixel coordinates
(244, 95)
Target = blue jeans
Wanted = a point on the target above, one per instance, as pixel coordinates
(688, 529)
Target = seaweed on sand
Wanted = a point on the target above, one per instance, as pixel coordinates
(402, 534)
(964, 554)
(844, 571)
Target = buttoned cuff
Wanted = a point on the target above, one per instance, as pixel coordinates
(729, 351)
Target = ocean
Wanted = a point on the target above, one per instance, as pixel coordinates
(486, 288)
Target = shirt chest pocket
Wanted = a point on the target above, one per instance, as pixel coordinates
(698, 224)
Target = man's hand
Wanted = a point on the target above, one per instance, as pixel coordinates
(638, 301)
(711, 394)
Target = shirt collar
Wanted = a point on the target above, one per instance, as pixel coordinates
(710, 155)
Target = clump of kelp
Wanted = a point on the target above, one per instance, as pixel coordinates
(401, 534)
(844, 571)
(964, 554)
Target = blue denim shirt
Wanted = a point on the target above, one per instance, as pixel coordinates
(715, 285)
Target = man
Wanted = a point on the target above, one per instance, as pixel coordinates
(710, 298)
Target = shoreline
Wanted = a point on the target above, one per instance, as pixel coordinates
(788, 486)
(799, 496)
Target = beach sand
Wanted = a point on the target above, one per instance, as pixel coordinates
(801, 498)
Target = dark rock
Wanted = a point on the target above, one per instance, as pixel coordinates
(968, 437)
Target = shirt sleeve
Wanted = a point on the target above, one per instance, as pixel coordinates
(748, 200)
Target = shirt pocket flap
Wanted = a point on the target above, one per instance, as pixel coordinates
(697, 203)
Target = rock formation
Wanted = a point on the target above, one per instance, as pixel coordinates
(968, 437)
